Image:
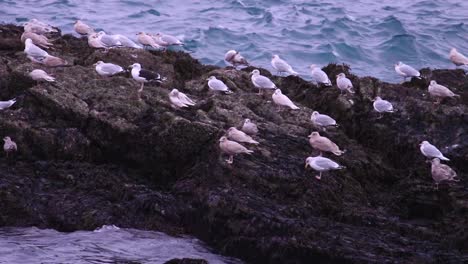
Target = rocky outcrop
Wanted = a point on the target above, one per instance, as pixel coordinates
(91, 154)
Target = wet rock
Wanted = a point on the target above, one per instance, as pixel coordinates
(90, 154)
(186, 261)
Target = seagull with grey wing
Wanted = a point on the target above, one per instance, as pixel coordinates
(218, 85)
(107, 69)
(382, 106)
(322, 164)
(166, 40)
(179, 99)
(7, 104)
(406, 71)
(322, 121)
(344, 84)
(431, 151)
(261, 82)
(109, 41)
(319, 76)
(38, 55)
(457, 58)
(282, 100)
(282, 66)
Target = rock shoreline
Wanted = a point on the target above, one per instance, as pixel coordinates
(90, 154)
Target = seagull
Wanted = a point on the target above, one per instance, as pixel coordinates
(322, 164)
(218, 85)
(179, 99)
(7, 104)
(94, 41)
(282, 100)
(261, 82)
(142, 76)
(107, 69)
(38, 55)
(232, 148)
(281, 66)
(344, 84)
(234, 58)
(440, 91)
(239, 136)
(322, 121)
(147, 40)
(457, 58)
(109, 40)
(166, 40)
(382, 106)
(37, 39)
(81, 28)
(40, 75)
(249, 127)
(319, 76)
(441, 172)
(324, 144)
(38, 27)
(9, 145)
(126, 42)
(430, 151)
(406, 71)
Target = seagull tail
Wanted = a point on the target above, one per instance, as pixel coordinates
(444, 158)
(341, 167)
(49, 79)
(294, 107)
(249, 151)
(254, 142)
(228, 92)
(456, 95)
(294, 73)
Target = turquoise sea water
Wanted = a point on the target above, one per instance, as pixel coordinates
(366, 34)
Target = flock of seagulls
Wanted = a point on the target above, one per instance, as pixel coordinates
(36, 40)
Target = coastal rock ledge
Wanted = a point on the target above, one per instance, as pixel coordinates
(90, 154)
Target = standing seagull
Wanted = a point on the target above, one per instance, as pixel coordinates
(406, 71)
(40, 75)
(234, 58)
(232, 148)
(282, 66)
(39, 55)
(81, 28)
(344, 84)
(146, 40)
(261, 82)
(142, 76)
(9, 145)
(440, 91)
(319, 76)
(322, 121)
(382, 106)
(107, 69)
(218, 85)
(457, 58)
(282, 100)
(179, 99)
(430, 151)
(7, 104)
(249, 127)
(322, 164)
(441, 172)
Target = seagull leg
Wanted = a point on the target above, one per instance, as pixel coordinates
(259, 91)
(437, 186)
(380, 116)
(318, 177)
(230, 160)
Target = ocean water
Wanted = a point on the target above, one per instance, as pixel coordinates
(369, 35)
(108, 244)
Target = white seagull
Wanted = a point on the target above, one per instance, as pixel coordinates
(249, 127)
(261, 82)
(40, 75)
(406, 71)
(218, 85)
(319, 76)
(179, 99)
(81, 28)
(344, 84)
(107, 69)
(322, 164)
(234, 58)
(282, 66)
(38, 55)
(166, 40)
(382, 106)
(322, 121)
(282, 100)
(439, 91)
(457, 58)
(430, 151)
(7, 104)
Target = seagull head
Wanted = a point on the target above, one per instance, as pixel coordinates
(309, 159)
(341, 75)
(28, 41)
(313, 66)
(275, 56)
(174, 92)
(314, 134)
(377, 98)
(135, 65)
(211, 78)
(98, 63)
(315, 113)
(424, 143)
(435, 161)
(223, 139)
(140, 33)
(453, 50)
(101, 33)
(247, 121)
(433, 82)
(6, 139)
(231, 129)
(399, 64)
(277, 91)
(255, 72)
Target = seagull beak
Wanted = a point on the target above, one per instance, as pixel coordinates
(306, 165)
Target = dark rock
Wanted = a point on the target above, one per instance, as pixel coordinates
(186, 261)
(90, 154)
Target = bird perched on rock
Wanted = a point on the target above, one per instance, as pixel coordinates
(261, 82)
(406, 71)
(146, 40)
(143, 76)
(322, 121)
(179, 99)
(344, 84)
(218, 85)
(439, 91)
(94, 41)
(9, 145)
(232, 148)
(166, 40)
(234, 58)
(382, 106)
(37, 39)
(249, 127)
(107, 69)
(282, 66)
(81, 28)
(38, 27)
(40, 75)
(430, 151)
(7, 104)
(282, 100)
(319, 76)
(110, 41)
(322, 164)
(38, 55)
(324, 144)
(126, 42)
(441, 172)
(239, 136)
(457, 58)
